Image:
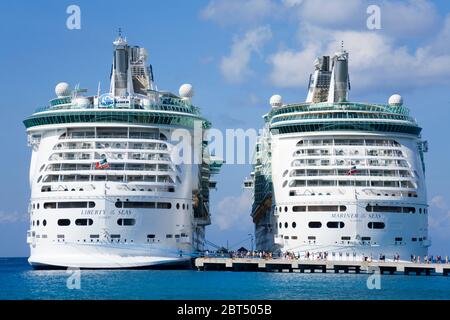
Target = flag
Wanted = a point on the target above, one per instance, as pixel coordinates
(352, 171)
(102, 164)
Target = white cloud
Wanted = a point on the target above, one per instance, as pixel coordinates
(375, 61)
(235, 67)
(238, 12)
(410, 19)
(7, 217)
(234, 212)
(438, 202)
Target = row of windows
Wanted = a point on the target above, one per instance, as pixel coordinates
(341, 208)
(90, 222)
(342, 152)
(349, 142)
(112, 166)
(345, 172)
(350, 162)
(112, 155)
(294, 193)
(110, 145)
(318, 224)
(106, 177)
(128, 188)
(329, 208)
(349, 183)
(398, 240)
(143, 205)
(396, 209)
(115, 133)
(69, 205)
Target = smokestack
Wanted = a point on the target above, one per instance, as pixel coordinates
(341, 78)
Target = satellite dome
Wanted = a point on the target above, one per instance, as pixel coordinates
(81, 102)
(62, 89)
(395, 100)
(276, 101)
(186, 91)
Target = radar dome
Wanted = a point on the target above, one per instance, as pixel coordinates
(276, 101)
(186, 91)
(395, 100)
(62, 89)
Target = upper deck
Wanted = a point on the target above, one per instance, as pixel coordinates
(158, 108)
(348, 116)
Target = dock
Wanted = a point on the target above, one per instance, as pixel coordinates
(322, 266)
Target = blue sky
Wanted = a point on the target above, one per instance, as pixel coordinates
(237, 54)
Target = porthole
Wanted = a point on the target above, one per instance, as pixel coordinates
(285, 209)
(37, 223)
(44, 223)
(280, 225)
(178, 206)
(294, 225)
(315, 224)
(183, 206)
(286, 225)
(285, 183)
(63, 222)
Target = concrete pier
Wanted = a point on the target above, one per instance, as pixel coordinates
(323, 266)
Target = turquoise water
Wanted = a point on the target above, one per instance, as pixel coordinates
(19, 281)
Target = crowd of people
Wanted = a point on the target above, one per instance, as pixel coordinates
(290, 255)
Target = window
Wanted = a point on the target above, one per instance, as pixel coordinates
(135, 204)
(126, 222)
(81, 204)
(164, 205)
(50, 205)
(63, 222)
(286, 225)
(299, 208)
(345, 238)
(84, 222)
(150, 236)
(315, 224)
(44, 223)
(280, 225)
(365, 238)
(335, 224)
(323, 208)
(398, 239)
(294, 225)
(376, 225)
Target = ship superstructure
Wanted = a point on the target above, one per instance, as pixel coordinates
(108, 189)
(340, 179)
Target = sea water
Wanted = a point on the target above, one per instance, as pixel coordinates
(19, 281)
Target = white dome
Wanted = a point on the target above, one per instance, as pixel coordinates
(395, 100)
(62, 89)
(186, 91)
(276, 101)
(81, 102)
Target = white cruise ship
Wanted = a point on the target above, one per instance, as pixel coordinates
(339, 179)
(106, 189)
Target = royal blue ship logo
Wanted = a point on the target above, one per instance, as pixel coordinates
(106, 101)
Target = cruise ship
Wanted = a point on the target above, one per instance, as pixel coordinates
(112, 182)
(338, 179)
